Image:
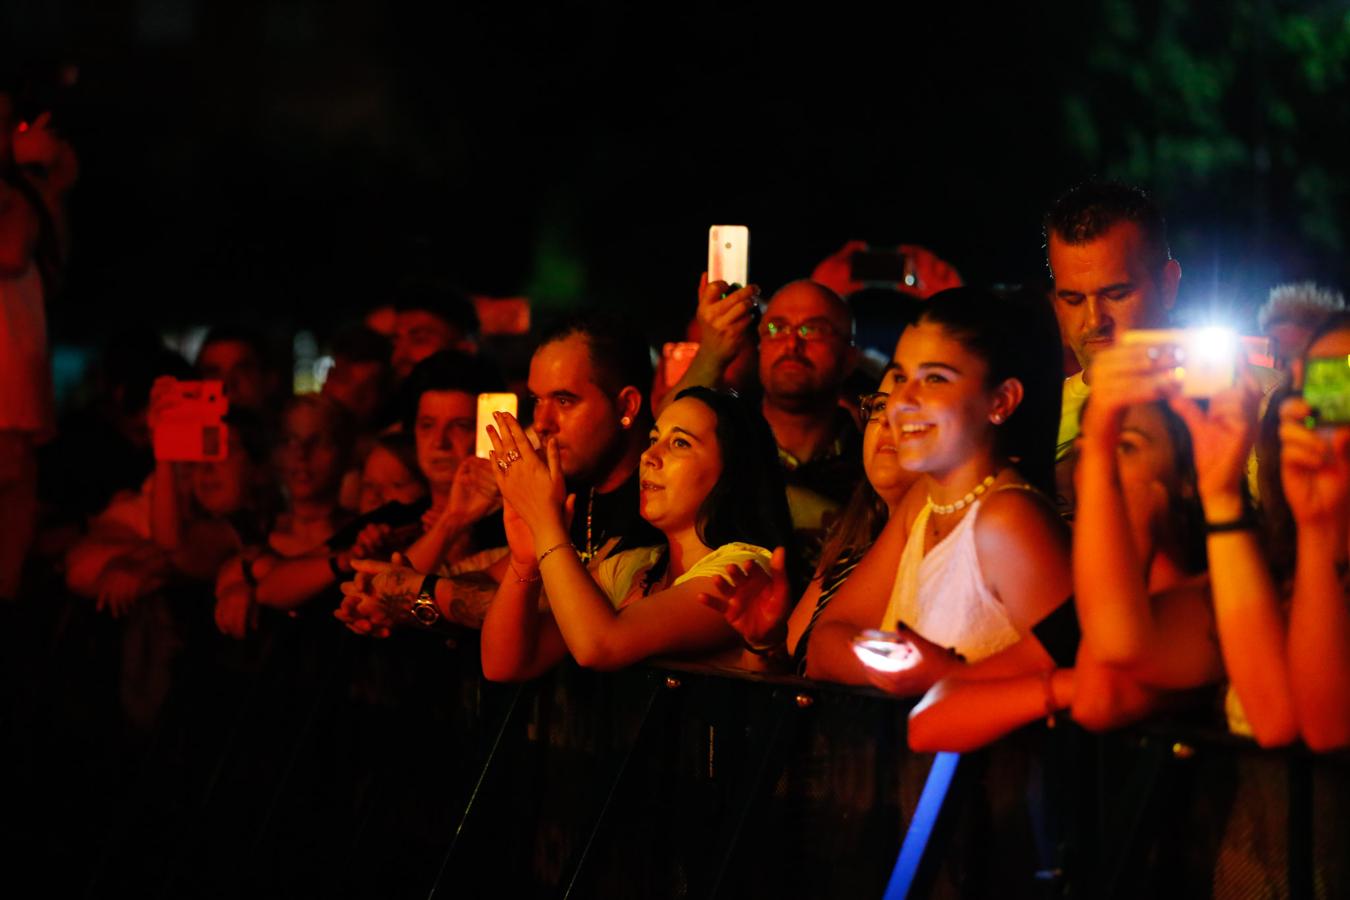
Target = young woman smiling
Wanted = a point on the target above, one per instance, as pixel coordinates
(708, 485)
(974, 556)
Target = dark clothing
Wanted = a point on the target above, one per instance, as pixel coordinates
(611, 515)
(817, 489)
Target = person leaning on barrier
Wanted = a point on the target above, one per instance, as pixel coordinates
(1136, 472)
(707, 486)
(975, 556)
(777, 634)
(587, 378)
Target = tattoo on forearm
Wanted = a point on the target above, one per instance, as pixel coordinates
(471, 596)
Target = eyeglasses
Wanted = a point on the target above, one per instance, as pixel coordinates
(810, 330)
(872, 407)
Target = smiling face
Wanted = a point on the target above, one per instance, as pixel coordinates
(681, 466)
(1107, 286)
(940, 404)
(881, 461)
(445, 431)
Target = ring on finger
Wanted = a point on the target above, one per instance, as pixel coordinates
(503, 465)
(512, 455)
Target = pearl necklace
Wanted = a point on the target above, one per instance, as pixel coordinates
(943, 509)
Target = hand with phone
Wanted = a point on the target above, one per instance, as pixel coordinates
(1222, 437)
(1126, 375)
(1314, 468)
(726, 319)
(902, 663)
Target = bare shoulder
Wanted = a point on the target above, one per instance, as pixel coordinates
(1015, 516)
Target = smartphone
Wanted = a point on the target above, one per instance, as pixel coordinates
(191, 429)
(1206, 357)
(487, 405)
(884, 651)
(729, 254)
(676, 359)
(1326, 387)
(880, 268)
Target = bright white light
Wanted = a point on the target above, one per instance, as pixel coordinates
(1214, 344)
(885, 654)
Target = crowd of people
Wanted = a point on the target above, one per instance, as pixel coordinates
(952, 520)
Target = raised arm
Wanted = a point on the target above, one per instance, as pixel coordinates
(725, 325)
(1315, 471)
(1109, 570)
(1247, 615)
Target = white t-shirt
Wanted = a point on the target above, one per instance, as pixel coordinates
(619, 577)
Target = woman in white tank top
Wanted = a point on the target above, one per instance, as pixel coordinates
(975, 556)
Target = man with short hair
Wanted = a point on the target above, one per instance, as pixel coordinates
(1106, 246)
(587, 379)
(806, 352)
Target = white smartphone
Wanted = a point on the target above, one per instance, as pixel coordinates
(884, 651)
(1206, 357)
(487, 405)
(729, 254)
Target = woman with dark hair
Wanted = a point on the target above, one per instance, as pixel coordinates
(975, 556)
(708, 484)
(1135, 470)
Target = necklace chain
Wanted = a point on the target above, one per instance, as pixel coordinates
(590, 507)
(943, 509)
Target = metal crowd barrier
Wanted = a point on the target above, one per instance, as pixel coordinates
(154, 757)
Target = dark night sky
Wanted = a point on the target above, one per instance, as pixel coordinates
(290, 159)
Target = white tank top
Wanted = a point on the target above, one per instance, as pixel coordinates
(942, 594)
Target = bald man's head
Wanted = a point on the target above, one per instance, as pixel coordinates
(806, 346)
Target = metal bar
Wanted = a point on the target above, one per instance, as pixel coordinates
(659, 684)
(751, 790)
(483, 773)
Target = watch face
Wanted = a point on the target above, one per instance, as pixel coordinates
(425, 611)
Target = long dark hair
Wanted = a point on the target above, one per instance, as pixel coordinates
(1016, 335)
(749, 501)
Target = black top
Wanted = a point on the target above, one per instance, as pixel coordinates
(614, 514)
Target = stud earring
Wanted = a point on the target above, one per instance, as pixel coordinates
(996, 418)
(625, 421)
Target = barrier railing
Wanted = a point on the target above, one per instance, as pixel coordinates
(306, 761)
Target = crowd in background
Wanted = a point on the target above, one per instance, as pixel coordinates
(896, 487)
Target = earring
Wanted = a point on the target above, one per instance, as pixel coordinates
(625, 421)
(996, 418)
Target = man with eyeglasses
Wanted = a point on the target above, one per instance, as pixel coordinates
(806, 352)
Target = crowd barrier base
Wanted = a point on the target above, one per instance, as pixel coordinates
(152, 757)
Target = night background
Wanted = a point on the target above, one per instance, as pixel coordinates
(289, 161)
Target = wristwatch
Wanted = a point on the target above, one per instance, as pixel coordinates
(424, 606)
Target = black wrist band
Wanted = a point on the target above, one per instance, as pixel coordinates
(429, 586)
(1244, 522)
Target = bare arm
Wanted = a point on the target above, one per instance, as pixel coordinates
(725, 328)
(1316, 477)
(859, 604)
(1250, 626)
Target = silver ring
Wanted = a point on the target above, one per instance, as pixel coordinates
(503, 465)
(512, 455)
